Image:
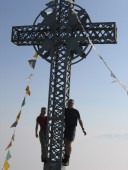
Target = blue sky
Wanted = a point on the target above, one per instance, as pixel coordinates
(102, 104)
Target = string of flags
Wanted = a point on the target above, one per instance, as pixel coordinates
(115, 79)
(32, 64)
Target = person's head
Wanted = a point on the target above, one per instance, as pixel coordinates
(43, 111)
(70, 103)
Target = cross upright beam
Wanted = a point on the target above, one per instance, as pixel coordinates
(58, 36)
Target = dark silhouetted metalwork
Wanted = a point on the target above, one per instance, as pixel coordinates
(58, 36)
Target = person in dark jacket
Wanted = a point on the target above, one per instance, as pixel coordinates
(72, 116)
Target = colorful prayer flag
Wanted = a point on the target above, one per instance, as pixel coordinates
(8, 155)
(112, 75)
(35, 55)
(18, 116)
(32, 63)
(28, 92)
(6, 165)
(14, 124)
(13, 136)
(9, 145)
(30, 77)
(23, 103)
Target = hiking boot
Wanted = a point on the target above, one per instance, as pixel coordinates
(43, 159)
(65, 161)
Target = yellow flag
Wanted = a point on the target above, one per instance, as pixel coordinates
(6, 165)
(28, 92)
(35, 55)
(9, 145)
(18, 116)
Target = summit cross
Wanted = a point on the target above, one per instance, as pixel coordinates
(60, 34)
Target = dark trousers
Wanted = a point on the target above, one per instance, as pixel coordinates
(42, 137)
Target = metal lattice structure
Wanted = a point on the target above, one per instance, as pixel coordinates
(58, 36)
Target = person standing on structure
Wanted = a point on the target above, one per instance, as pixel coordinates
(41, 121)
(71, 117)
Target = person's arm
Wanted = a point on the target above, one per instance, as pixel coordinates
(82, 127)
(36, 129)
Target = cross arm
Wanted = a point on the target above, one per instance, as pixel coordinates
(28, 35)
(102, 33)
(99, 33)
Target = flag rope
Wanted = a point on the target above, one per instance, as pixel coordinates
(98, 55)
(32, 64)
